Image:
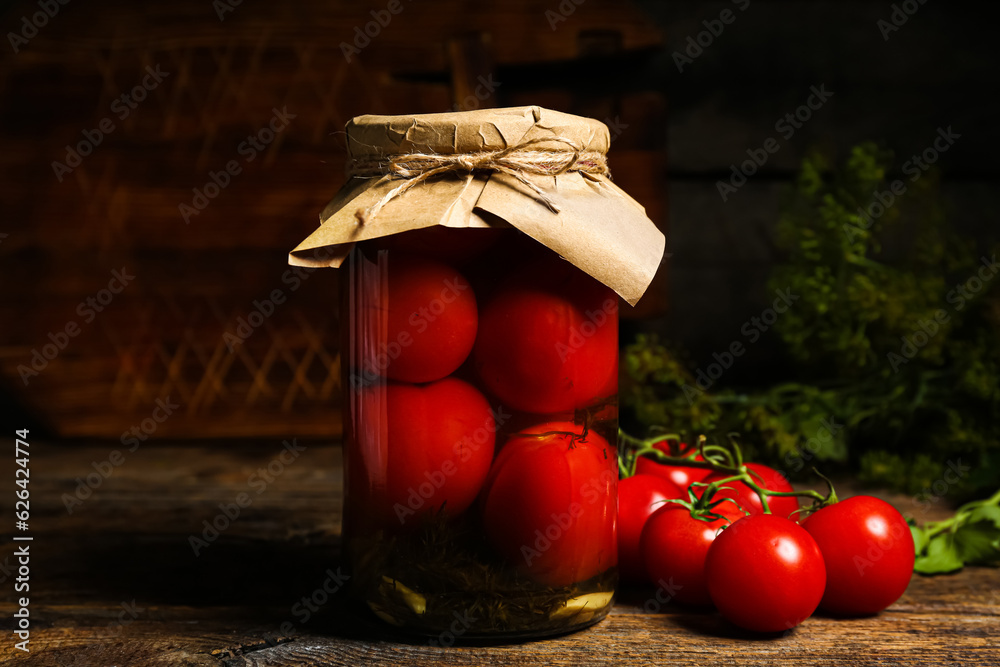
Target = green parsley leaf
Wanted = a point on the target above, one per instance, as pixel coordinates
(942, 556)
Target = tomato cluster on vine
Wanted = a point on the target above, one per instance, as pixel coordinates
(736, 538)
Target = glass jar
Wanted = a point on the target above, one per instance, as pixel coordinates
(481, 376)
(483, 256)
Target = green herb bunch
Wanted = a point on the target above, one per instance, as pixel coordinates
(895, 338)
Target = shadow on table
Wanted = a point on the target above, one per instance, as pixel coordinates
(700, 620)
(164, 570)
(271, 590)
(280, 589)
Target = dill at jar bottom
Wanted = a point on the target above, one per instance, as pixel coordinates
(457, 576)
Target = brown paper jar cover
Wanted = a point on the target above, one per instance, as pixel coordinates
(596, 226)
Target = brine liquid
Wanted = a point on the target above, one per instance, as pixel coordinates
(457, 345)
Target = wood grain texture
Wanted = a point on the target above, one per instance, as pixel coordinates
(116, 582)
(197, 274)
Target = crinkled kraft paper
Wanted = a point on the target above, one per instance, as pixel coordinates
(598, 228)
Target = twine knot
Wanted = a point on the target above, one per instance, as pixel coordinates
(516, 161)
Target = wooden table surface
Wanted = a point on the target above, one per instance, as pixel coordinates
(116, 581)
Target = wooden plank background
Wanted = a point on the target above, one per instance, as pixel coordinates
(163, 336)
(610, 60)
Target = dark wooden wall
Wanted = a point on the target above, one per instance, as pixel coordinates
(615, 61)
(165, 334)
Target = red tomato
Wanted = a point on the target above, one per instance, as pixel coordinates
(639, 497)
(421, 449)
(765, 573)
(868, 550)
(610, 387)
(548, 339)
(747, 498)
(679, 475)
(420, 325)
(674, 546)
(550, 504)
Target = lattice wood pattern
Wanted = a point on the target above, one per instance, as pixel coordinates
(163, 335)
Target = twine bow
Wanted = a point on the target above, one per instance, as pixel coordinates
(515, 161)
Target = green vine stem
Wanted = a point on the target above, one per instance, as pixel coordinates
(934, 528)
(727, 461)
